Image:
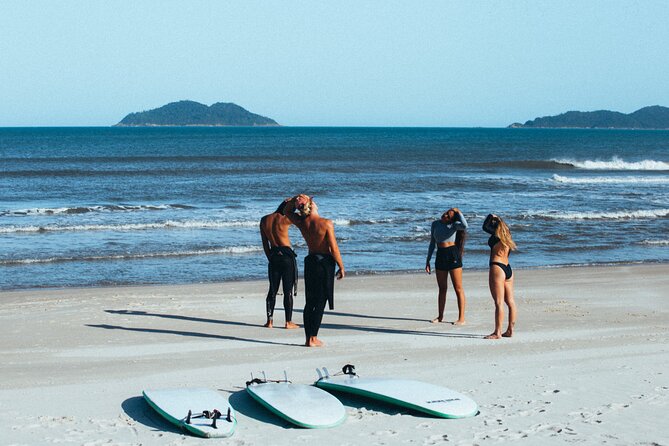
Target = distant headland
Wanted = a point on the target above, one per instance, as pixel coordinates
(649, 118)
(191, 113)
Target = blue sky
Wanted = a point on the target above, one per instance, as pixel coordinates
(341, 63)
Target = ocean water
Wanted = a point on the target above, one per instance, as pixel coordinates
(117, 206)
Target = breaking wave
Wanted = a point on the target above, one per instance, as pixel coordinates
(151, 255)
(620, 215)
(169, 224)
(614, 163)
(87, 209)
(610, 180)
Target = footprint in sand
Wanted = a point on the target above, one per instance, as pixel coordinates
(389, 433)
(436, 439)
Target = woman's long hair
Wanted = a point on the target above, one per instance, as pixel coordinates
(503, 233)
(460, 237)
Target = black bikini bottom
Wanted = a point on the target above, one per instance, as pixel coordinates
(506, 268)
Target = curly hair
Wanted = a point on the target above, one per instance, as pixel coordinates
(303, 204)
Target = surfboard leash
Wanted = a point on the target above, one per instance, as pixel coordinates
(348, 369)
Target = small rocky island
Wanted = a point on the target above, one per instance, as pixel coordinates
(190, 113)
(648, 118)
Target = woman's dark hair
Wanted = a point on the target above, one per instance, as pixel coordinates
(460, 237)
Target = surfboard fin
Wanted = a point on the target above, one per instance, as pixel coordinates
(188, 417)
(327, 374)
(320, 375)
(216, 415)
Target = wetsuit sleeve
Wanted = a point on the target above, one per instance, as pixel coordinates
(430, 249)
(462, 224)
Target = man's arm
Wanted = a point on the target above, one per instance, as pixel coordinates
(289, 212)
(265, 242)
(334, 249)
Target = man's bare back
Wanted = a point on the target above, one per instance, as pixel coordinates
(274, 231)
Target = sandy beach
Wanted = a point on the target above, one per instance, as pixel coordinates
(589, 362)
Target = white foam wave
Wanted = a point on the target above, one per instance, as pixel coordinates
(191, 253)
(656, 242)
(621, 215)
(169, 224)
(341, 222)
(610, 180)
(87, 209)
(615, 163)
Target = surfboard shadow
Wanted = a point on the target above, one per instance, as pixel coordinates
(139, 410)
(242, 402)
(187, 333)
(360, 402)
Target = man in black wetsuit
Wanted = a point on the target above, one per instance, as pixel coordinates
(282, 266)
(319, 265)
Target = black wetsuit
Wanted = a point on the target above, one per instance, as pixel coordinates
(319, 275)
(282, 268)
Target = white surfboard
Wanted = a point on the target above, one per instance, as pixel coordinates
(424, 397)
(194, 410)
(302, 405)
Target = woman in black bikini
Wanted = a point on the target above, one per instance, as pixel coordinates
(500, 277)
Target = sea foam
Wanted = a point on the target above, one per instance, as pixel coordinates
(87, 209)
(615, 163)
(610, 180)
(139, 256)
(169, 224)
(620, 215)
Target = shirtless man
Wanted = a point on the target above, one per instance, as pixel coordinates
(282, 264)
(319, 265)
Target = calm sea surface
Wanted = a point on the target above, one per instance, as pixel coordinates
(104, 206)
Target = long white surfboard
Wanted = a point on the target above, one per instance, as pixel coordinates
(302, 405)
(175, 405)
(424, 397)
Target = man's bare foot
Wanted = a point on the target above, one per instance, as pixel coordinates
(314, 342)
(508, 333)
(436, 320)
(492, 336)
(459, 322)
(268, 324)
(290, 325)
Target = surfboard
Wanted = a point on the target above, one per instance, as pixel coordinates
(416, 395)
(203, 412)
(303, 405)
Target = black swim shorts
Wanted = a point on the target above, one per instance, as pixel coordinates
(448, 258)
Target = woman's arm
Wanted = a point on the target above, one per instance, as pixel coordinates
(461, 223)
(430, 250)
(334, 249)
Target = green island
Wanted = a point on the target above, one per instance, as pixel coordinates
(191, 113)
(654, 117)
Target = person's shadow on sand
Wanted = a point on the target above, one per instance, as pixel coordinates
(187, 333)
(365, 328)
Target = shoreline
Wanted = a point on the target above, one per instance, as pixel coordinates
(348, 275)
(587, 362)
